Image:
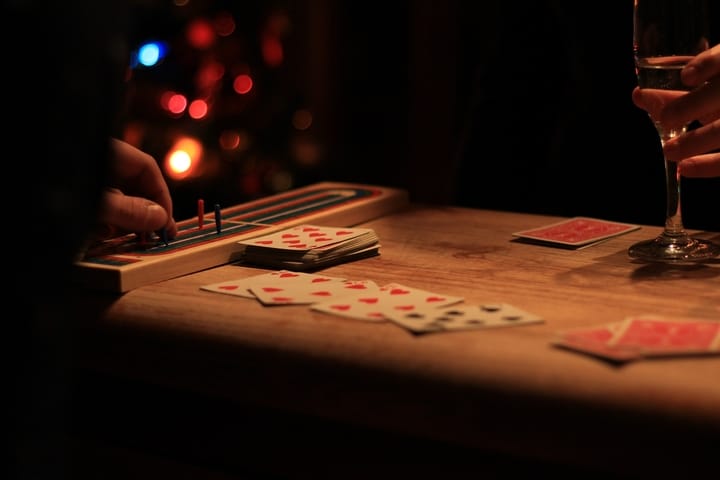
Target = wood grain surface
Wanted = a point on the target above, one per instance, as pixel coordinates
(505, 390)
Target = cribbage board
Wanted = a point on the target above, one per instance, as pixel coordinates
(125, 263)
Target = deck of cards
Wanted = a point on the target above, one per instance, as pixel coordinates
(309, 247)
(644, 336)
(575, 233)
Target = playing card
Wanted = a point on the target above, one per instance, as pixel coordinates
(241, 287)
(462, 317)
(391, 297)
(594, 340)
(657, 336)
(305, 237)
(317, 262)
(274, 293)
(577, 231)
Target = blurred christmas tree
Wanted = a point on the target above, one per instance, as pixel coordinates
(213, 98)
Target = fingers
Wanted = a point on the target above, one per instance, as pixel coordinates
(702, 74)
(702, 67)
(654, 101)
(694, 142)
(690, 150)
(132, 214)
(139, 175)
(701, 166)
(698, 150)
(700, 104)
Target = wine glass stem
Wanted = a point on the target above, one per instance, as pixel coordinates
(673, 217)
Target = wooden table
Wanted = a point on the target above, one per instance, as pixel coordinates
(504, 391)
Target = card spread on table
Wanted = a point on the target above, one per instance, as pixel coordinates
(241, 287)
(417, 310)
(644, 336)
(306, 294)
(576, 232)
(392, 297)
(462, 317)
(307, 247)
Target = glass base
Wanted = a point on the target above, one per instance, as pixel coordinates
(669, 249)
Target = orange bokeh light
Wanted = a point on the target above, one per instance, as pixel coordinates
(183, 159)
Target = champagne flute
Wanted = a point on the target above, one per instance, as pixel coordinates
(666, 35)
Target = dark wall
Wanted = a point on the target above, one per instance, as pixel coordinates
(490, 105)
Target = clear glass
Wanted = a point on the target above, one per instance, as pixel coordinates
(667, 34)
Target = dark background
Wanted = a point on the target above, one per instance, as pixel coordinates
(481, 104)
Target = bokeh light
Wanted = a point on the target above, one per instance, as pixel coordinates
(174, 103)
(198, 109)
(302, 119)
(151, 53)
(224, 24)
(200, 34)
(183, 159)
(272, 51)
(242, 84)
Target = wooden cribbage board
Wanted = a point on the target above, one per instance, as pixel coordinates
(124, 263)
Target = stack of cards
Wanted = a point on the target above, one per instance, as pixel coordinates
(309, 247)
(644, 336)
(416, 310)
(575, 233)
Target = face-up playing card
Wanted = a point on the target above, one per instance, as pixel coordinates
(308, 293)
(389, 298)
(577, 231)
(462, 317)
(241, 287)
(305, 237)
(658, 336)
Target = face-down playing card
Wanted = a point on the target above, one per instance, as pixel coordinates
(576, 232)
(462, 317)
(644, 336)
(593, 340)
(653, 335)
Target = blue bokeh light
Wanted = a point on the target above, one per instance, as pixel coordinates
(149, 54)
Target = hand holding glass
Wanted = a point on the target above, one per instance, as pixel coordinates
(667, 34)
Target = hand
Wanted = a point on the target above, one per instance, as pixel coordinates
(136, 173)
(695, 151)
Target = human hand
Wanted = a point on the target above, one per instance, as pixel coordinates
(139, 199)
(696, 150)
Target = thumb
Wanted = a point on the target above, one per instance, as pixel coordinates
(134, 214)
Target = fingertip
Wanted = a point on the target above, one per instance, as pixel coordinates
(689, 168)
(155, 216)
(637, 97)
(690, 75)
(171, 228)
